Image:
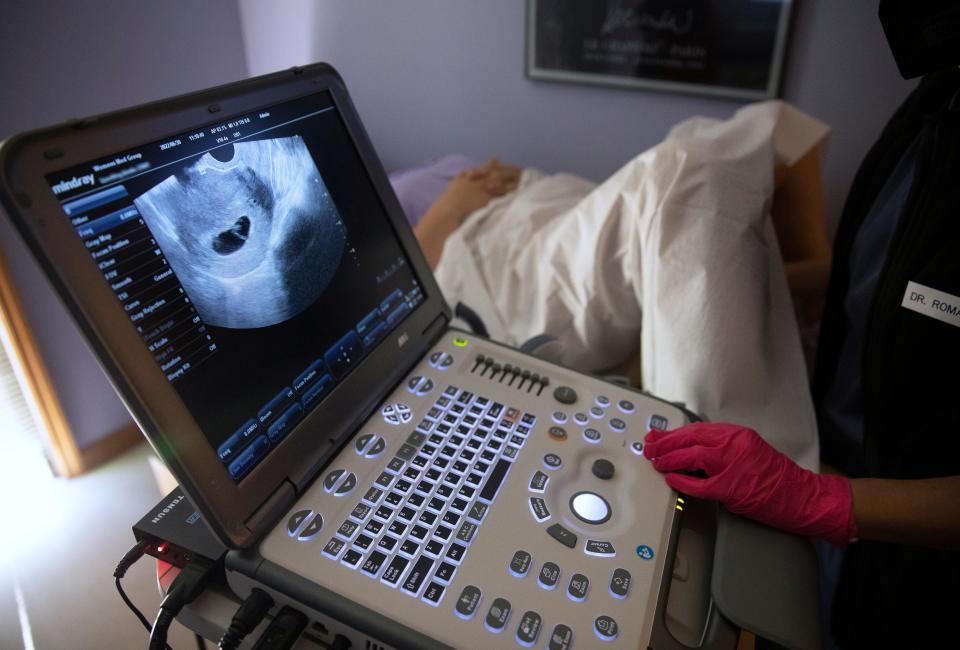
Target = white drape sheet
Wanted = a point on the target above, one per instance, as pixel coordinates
(673, 257)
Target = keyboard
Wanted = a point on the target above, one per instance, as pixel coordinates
(496, 505)
(415, 523)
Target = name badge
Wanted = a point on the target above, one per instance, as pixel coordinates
(932, 303)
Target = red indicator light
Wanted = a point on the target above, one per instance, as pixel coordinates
(162, 548)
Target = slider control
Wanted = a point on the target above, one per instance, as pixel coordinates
(486, 366)
(525, 375)
(534, 380)
(544, 382)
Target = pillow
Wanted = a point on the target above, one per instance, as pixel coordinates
(418, 187)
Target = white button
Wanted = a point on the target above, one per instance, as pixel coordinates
(590, 507)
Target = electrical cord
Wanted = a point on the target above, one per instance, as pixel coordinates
(248, 617)
(192, 580)
(129, 559)
(133, 608)
(283, 631)
(472, 319)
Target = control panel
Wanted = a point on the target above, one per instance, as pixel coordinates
(495, 500)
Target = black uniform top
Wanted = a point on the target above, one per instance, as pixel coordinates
(893, 595)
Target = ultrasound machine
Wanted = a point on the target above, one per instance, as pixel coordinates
(244, 274)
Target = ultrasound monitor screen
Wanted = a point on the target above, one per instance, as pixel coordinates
(254, 239)
(255, 259)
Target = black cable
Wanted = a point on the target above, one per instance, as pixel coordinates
(128, 560)
(133, 608)
(192, 580)
(158, 634)
(283, 632)
(472, 319)
(248, 617)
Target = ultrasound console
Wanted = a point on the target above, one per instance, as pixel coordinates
(237, 261)
(496, 500)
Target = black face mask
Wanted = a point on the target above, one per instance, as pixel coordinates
(923, 34)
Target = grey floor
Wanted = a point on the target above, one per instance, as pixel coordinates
(60, 542)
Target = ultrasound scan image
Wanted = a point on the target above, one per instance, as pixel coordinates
(250, 230)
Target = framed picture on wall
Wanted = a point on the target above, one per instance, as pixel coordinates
(731, 48)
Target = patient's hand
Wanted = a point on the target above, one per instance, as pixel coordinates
(468, 192)
(474, 188)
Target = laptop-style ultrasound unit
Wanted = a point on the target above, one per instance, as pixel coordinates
(241, 268)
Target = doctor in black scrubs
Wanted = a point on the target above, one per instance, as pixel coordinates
(887, 380)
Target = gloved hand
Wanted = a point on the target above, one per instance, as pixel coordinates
(748, 476)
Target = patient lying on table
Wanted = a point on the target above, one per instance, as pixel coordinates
(673, 259)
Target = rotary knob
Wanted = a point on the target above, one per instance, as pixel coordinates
(603, 469)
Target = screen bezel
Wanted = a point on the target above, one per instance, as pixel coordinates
(237, 512)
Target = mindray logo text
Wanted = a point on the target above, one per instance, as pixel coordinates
(73, 183)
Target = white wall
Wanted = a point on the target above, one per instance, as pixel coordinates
(277, 34)
(434, 76)
(61, 59)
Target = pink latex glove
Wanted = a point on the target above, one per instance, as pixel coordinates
(751, 478)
